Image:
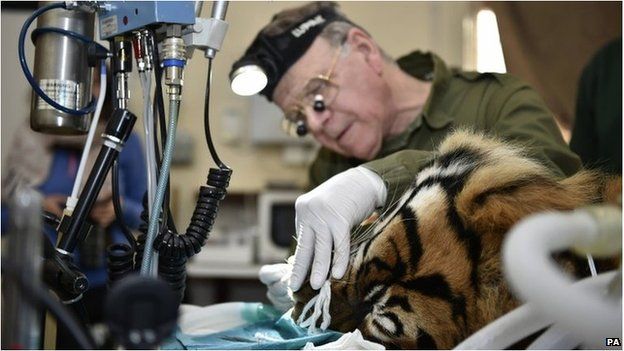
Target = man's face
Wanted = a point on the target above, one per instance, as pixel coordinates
(356, 120)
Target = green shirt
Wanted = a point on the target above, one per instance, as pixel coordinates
(496, 103)
(597, 133)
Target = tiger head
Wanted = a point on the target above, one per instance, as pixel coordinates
(427, 274)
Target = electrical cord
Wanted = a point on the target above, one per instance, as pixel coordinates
(77, 36)
(22, 58)
(50, 218)
(174, 249)
(159, 94)
(213, 151)
(117, 206)
(40, 296)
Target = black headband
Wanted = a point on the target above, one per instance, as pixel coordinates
(276, 54)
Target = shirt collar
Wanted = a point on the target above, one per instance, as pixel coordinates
(433, 114)
(428, 67)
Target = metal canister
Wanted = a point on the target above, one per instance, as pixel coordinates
(62, 71)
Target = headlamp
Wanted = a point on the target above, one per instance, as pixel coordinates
(269, 57)
(248, 80)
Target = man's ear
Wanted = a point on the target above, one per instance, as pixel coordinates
(360, 42)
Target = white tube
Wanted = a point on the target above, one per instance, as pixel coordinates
(537, 279)
(73, 198)
(149, 138)
(522, 322)
(555, 338)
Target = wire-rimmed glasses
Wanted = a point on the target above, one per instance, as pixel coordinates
(319, 86)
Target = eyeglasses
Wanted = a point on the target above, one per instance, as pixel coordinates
(319, 87)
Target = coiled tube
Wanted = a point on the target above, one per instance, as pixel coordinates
(175, 249)
(172, 267)
(120, 262)
(202, 219)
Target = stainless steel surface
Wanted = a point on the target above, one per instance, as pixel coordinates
(123, 91)
(146, 44)
(219, 10)
(198, 8)
(174, 48)
(61, 63)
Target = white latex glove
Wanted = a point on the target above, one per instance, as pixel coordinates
(276, 278)
(324, 218)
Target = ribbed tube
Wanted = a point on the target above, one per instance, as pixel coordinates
(120, 262)
(174, 109)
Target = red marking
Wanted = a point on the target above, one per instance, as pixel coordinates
(125, 20)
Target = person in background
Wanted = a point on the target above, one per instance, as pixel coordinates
(597, 132)
(49, 164)
(378, 120)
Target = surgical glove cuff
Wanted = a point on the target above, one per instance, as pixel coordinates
(376, 183)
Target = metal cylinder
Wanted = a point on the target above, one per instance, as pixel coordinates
(62, 71)
(173, 57)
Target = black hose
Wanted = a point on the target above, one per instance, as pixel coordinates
(50, 219)
(213, 151)
(175, 249)
(117, 206)
(119, 262)
(40, 296)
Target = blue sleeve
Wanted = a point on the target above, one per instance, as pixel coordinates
(133, 179)
(5, 219)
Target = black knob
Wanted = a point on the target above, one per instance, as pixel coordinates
(302, 130)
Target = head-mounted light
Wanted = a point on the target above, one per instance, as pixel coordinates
(269, 57)
(248, 80)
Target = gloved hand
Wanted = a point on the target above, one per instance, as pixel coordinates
(324, 218)
(276, 278)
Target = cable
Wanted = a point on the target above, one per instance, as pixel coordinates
(119, 262)
(168, 221)
(174, 109)
(117, 206)
(77, 36)
(50, 218)
(211, 147)
(73, 199)
(39, 295)
(29, 77)
(174, 249)
(159, 94)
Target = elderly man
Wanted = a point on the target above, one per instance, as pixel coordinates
(378, 121)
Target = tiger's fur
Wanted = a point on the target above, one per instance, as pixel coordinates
(428, 274)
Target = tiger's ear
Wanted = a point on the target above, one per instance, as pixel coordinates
(496, 209)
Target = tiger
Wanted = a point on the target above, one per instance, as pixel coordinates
(427, 274)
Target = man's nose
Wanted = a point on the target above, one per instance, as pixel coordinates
(316, 120)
